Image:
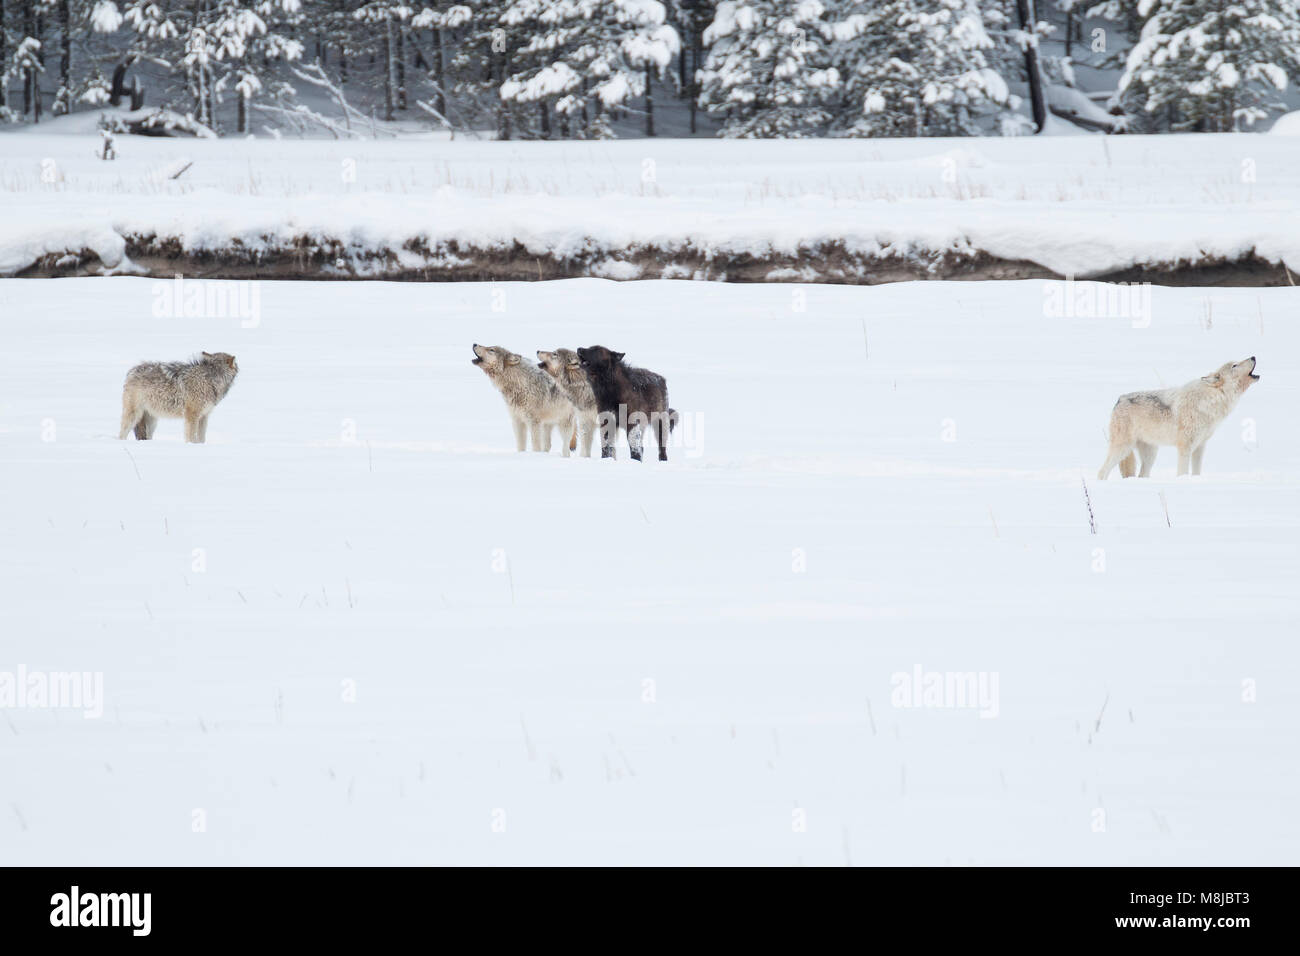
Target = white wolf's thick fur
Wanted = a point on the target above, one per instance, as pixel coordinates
(535, 402)
(563, 366)
(188, 390)
(1184, 417)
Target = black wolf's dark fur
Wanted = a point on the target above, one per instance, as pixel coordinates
(629, 398)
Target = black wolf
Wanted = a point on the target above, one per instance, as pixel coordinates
(627, 398)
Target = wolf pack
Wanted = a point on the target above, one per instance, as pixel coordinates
(585, 391)
(580, 392)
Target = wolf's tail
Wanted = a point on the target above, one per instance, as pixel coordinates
(673, 418)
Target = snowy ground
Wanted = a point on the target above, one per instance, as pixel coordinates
(1081, 205)
(614, 662)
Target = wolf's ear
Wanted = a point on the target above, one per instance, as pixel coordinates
(1216, 379)
(207, 355)
(513, 360)
(574, 363)
(230, 360)
(618, 356)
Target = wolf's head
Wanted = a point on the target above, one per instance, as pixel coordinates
(493, 359)
(221, 360)
(562, 365)
(598, 361)
(1234, 377)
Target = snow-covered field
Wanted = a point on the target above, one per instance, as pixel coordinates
(357, 627)
(1081, 205)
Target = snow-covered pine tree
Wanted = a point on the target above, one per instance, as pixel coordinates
(252, 38)
(441, 23)
(691, 18)
(576, 60)
(1213, 66)
(386, 21)
(769, 71)
(1123, 14)
(29, 55)
(913, 68)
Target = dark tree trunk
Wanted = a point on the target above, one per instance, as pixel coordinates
(440, 97)
(649, 102)
(4, 52)
(545, 115)
(1025, 11)
(694, 88)
(30, 90)
(389, 72)
(65, 57)
(401, 67)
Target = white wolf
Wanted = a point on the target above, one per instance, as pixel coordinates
(535, 402)
(188, 390)
(563, 366)
(1184, 417)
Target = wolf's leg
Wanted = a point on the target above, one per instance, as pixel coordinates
(521, 433)
(567, 427)
(634, 439)
(130, 419)
(608, 434)
(191, 425)
(1184, 459)
(203, 429)
(587, 432)
(660, 427)
(573, 438)
(1197, 456)
(148, 425)
(1147, 452)
(1113, 458)
(1128, 466)
(536, 428)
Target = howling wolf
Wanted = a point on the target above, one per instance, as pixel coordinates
(627, 398)
(535, 402)
(188, 390)
(1184, 417)
(563, 366)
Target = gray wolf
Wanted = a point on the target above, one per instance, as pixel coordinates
(627, 398)
(1184, 417)
(534, 400)
(188, 390)
(563, 366)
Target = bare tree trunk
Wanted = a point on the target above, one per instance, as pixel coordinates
(401, 66)
(65, 57)
(4, 52)
(440, 97)
(390, 69)
(1028, 20)
(494, 75)
(696, 49)
(31, 91)
(649, 102)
